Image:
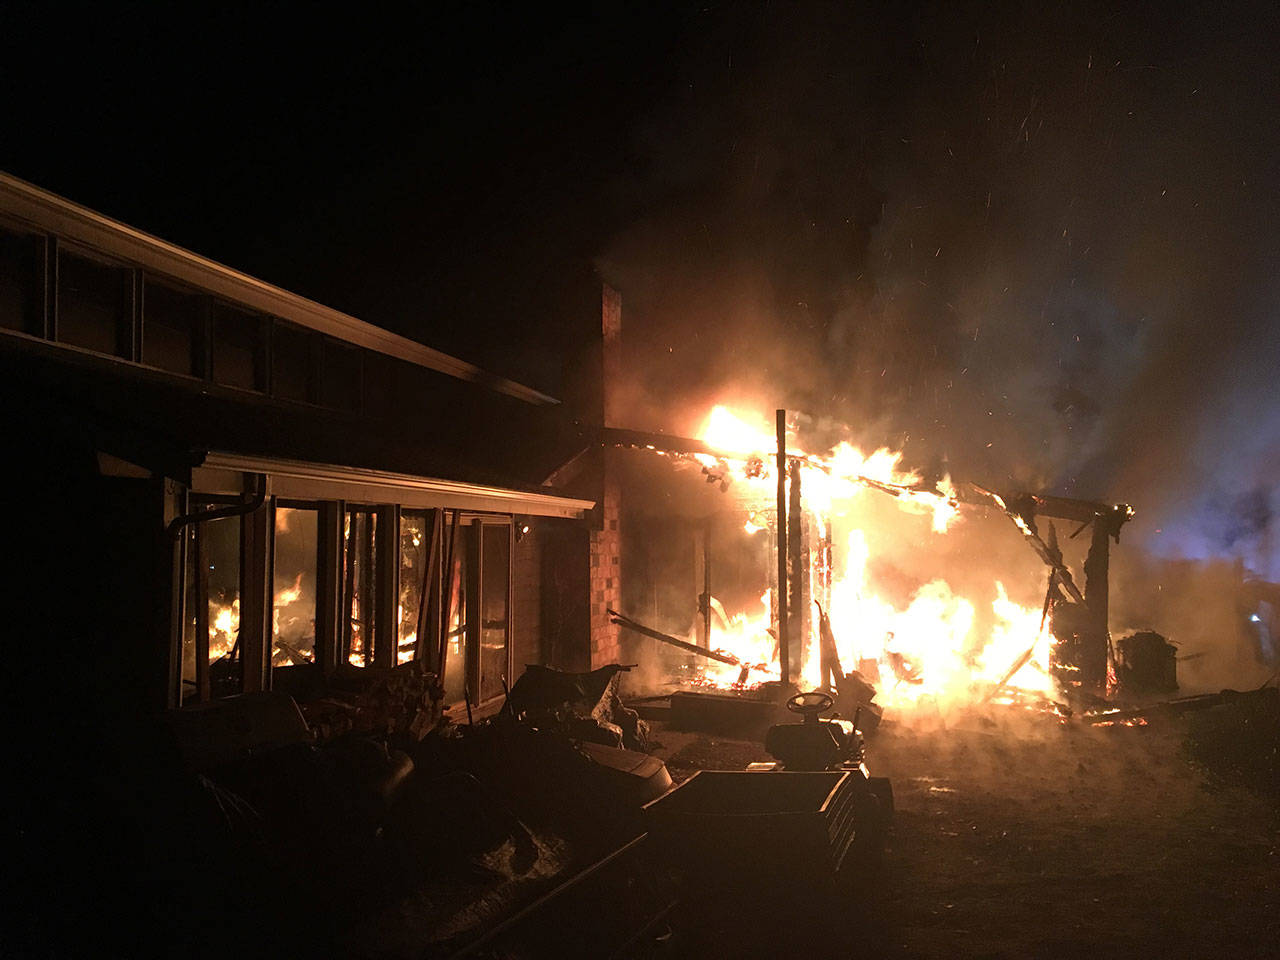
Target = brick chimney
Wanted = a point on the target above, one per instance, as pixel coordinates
(605, 535)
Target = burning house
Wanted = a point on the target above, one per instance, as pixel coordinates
(278, 495)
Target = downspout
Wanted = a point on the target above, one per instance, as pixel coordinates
(256, 500)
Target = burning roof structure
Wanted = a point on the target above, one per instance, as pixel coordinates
(929, 643)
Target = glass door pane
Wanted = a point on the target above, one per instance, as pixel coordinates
(415, 557)
(456, 617)
(359, 585)
(211, 665)
(293, 607)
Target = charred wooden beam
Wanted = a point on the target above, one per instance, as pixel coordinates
(1051, 557)
(627, 623)
(1181, 705)
(829, 655)
(662, 442)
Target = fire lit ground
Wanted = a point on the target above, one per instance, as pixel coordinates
(1026, 823)
(1015, 837)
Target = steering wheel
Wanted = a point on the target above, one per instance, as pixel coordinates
(810, 705)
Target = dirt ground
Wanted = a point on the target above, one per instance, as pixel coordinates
(1029, 837)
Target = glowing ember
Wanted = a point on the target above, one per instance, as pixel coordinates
(224, 629)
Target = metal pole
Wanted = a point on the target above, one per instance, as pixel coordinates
(780, 598)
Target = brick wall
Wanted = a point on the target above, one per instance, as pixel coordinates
(606, 577)
(566, 594)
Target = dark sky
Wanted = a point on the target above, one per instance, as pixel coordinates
(432, 171)
(1036, 243)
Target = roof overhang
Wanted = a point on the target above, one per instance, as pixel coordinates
(53, 214)
(300, 480)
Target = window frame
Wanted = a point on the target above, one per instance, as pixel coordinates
(193, 554)
(476, 524)
(261, 332)
(34, 322)
(128, 338)
(257, 576)
(202, 332)
(316, 666)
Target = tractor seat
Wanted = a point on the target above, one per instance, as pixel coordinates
(814, 743)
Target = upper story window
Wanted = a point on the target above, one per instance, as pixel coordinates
(21, 298)
(239, 348)
(295, 364)
(340, 376)
(173, 329)
(94, 305)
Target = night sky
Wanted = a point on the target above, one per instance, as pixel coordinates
(1033, 246)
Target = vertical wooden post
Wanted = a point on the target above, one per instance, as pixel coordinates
(175, 504)
(386, 578)
(429, 595)
(255, 599)
(1093, 653)
(329, 586)
(784, 638)
(202, 612)
(446, 596)
(368, 603)
(474, 606)
(797, 602)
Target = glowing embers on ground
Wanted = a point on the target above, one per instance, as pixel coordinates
(929, 646)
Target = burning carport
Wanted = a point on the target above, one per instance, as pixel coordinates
(710, 533)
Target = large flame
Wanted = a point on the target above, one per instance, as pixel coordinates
(924, 649)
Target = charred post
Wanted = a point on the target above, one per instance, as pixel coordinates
(780, 597)
(798, 604)
(1096, 640)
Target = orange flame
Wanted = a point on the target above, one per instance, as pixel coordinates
(924, 650)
